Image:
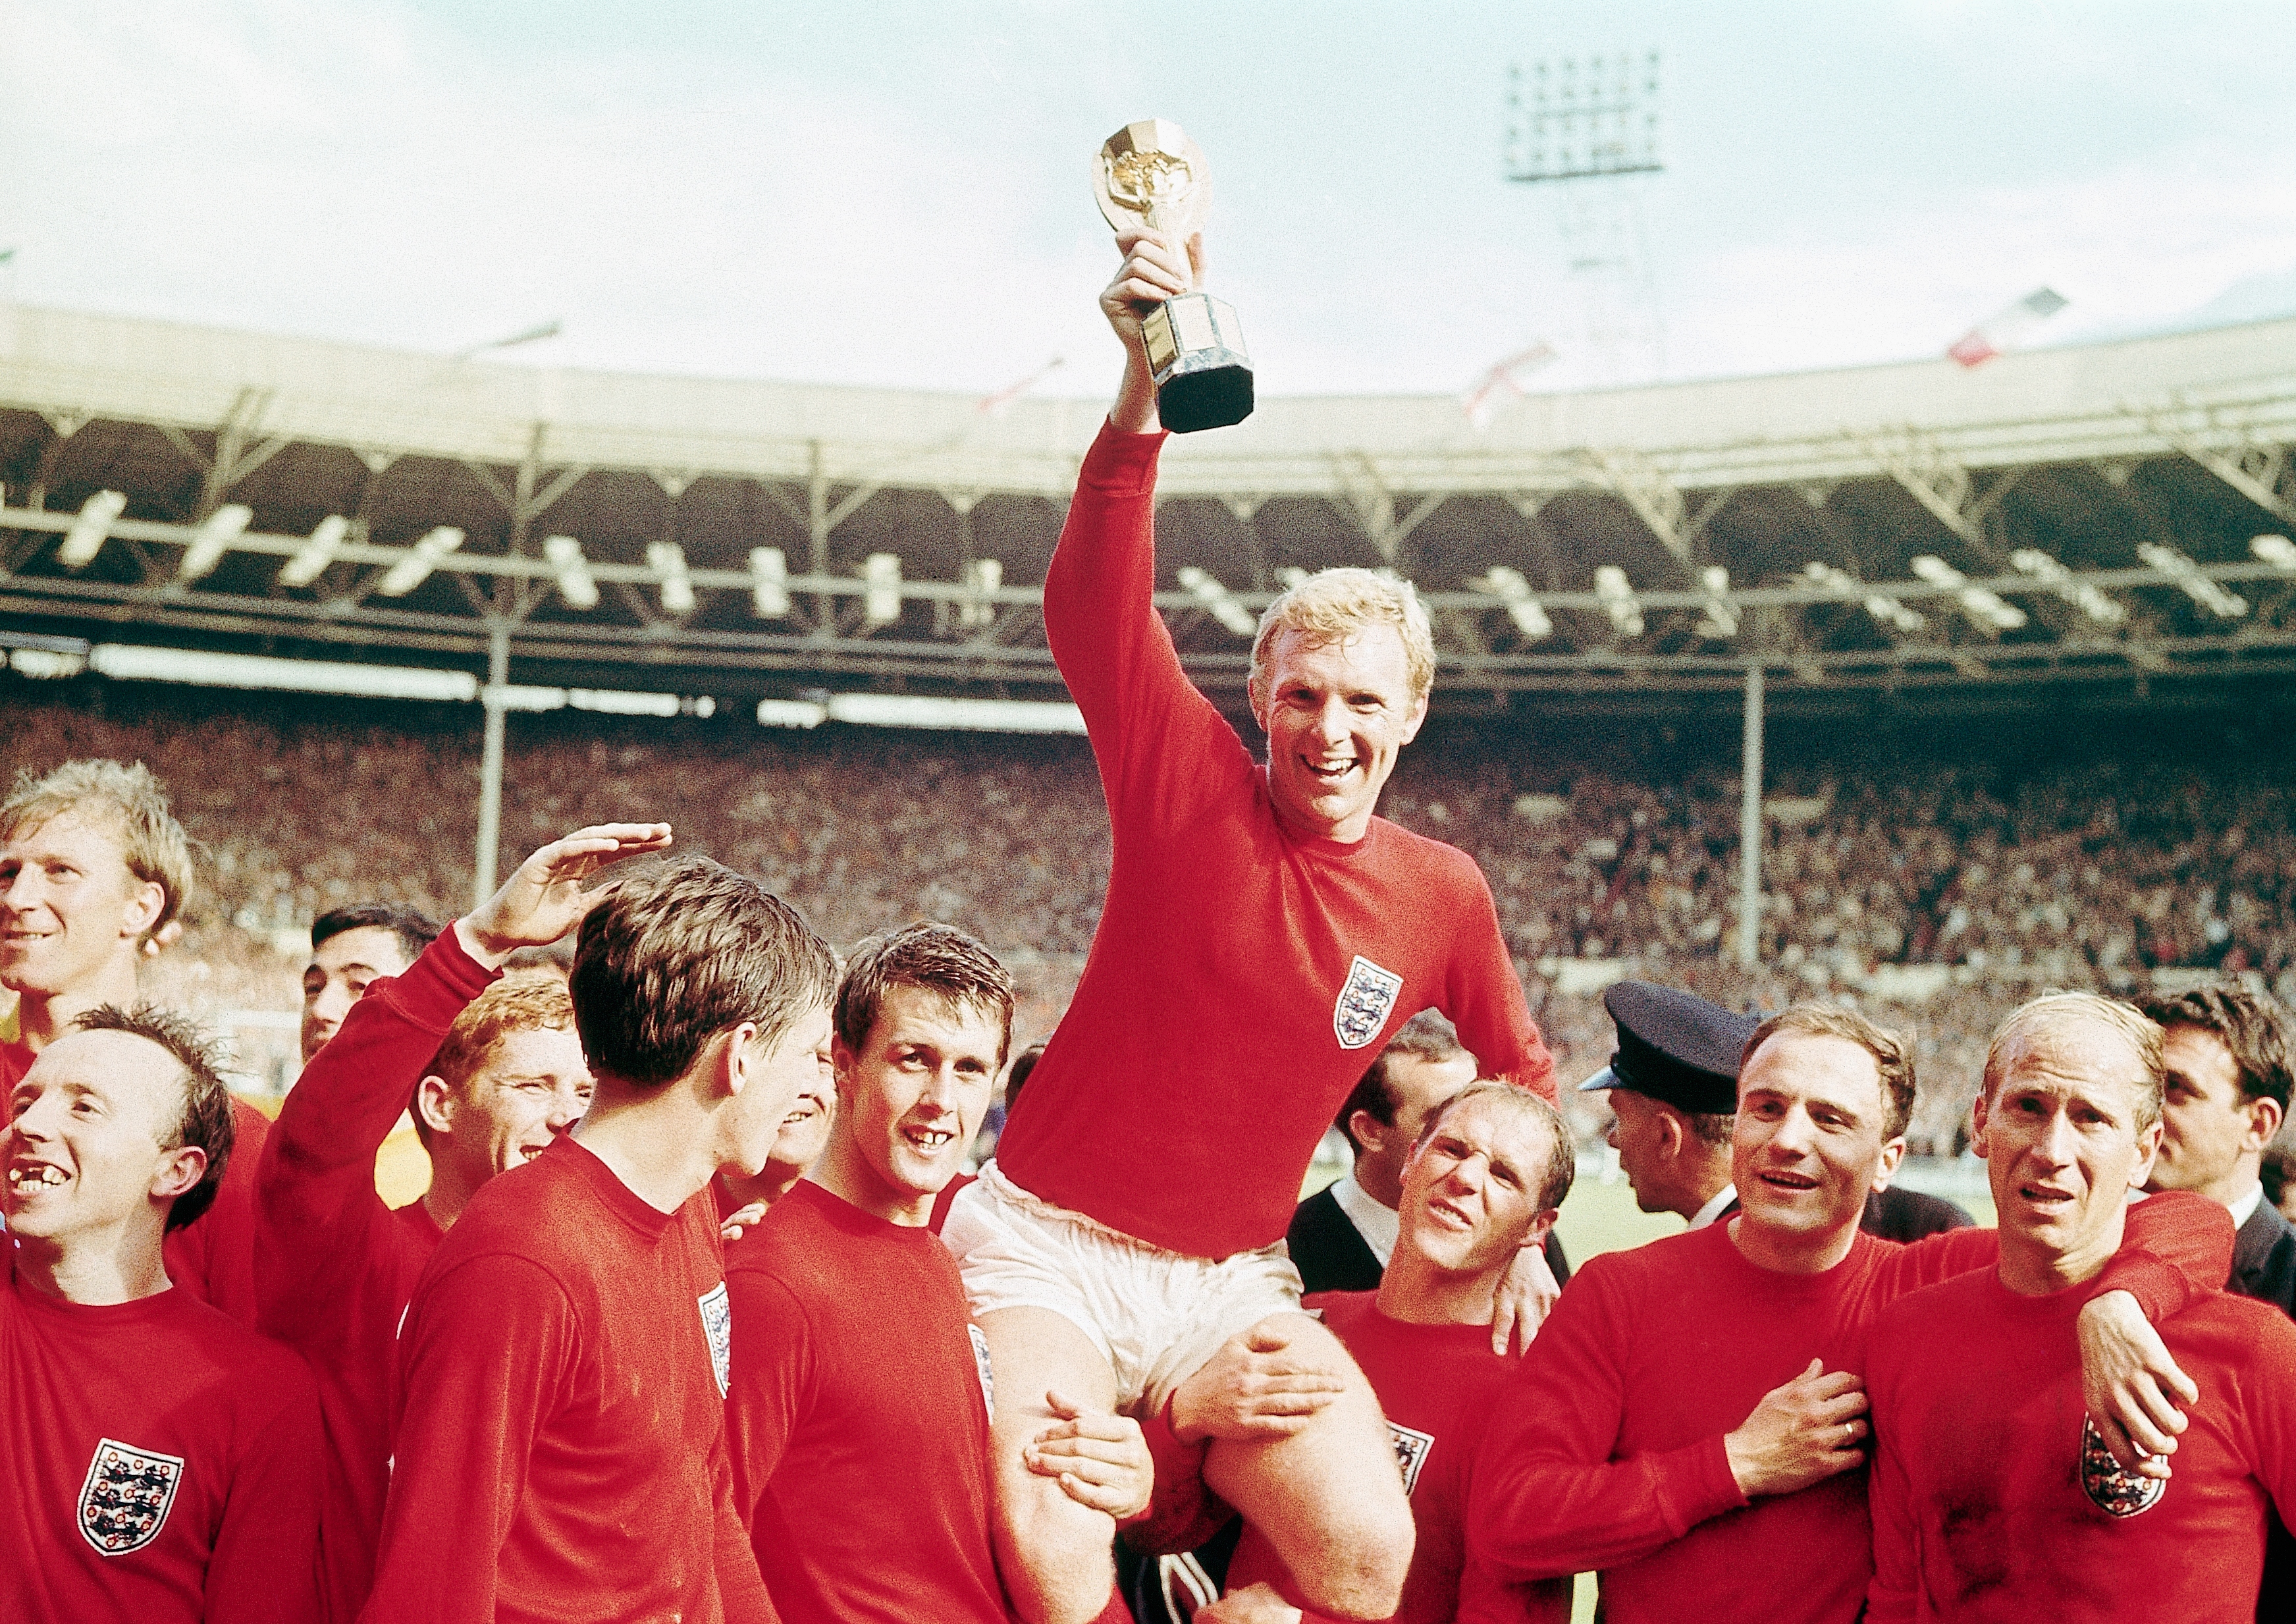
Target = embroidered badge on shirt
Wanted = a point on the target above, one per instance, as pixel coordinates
(1410, 1453)
(126, 1499)
(717, 1325)
(981, 1362)
(2112, 1490)
(1364, 1002)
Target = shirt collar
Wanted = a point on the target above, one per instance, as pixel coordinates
(1714, 1208)
(1379, 1224)
(2244, 1208)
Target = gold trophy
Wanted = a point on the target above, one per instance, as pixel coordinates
(1151, 174)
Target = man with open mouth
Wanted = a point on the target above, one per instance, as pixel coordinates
(1994, 1499)
(1691, 1422)
(162, 1461)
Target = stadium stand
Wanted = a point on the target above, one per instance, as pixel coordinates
(2041, 854)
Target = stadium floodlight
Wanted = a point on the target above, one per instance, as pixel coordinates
(1509, 587)
(2200, 588)
(1617, 595)
(47, 665)
(1222, 604)
(769, 585)
(1721, 617)
(666, 559)
(790, 713)
(518, 696)
(1881, 605)
(881, 596)
(984, 576)
(414, 566)
(131, 663)
(315, 555)
(223, 526)
(1984, 610)
(86, 538)
(576, 584)
(932, 711)
(2084, 595)
(2277, 551)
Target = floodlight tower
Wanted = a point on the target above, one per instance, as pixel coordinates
(1583, 127)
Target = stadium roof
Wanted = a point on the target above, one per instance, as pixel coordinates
(2069, 514)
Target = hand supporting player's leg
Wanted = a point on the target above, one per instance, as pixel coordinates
(1327, 1496)
(1053, 1552)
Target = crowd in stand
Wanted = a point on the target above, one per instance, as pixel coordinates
(2000, 878)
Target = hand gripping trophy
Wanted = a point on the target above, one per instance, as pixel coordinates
(1151, 174)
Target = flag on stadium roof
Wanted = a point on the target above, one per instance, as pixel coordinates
(1495, 387)
(2007, 328)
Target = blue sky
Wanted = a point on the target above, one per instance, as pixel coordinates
(897, 194)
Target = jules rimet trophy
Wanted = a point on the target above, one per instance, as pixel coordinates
(1151, 174)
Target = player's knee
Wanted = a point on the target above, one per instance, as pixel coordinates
(1363, 1570)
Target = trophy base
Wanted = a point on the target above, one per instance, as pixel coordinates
(1203, 375)
(1211, 397)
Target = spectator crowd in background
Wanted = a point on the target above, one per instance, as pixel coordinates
(1936, 886)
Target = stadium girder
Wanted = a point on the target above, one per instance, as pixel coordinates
(2076, 515)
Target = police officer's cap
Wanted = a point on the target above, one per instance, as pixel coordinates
(1675, 1047)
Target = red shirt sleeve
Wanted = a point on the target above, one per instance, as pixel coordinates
(1549, 1500)
(1485, 1002)
(486, 1349)
(317, 1170)
(2176, 1247)
(265, 1566)
(1890, 1596)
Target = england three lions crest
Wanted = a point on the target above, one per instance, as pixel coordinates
(718, 1327)
(2113, 1491)
(1411, 1448)
(1365, 1004)
(125, 1501)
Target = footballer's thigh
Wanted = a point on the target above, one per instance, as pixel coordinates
(1055, 1555)
(1328, 1497)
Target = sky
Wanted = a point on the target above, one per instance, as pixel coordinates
(898, 193)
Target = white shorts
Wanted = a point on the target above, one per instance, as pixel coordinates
(1155, 1316)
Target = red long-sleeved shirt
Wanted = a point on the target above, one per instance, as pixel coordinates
(1437, 1385)
(857, 1383)
(157, 1462)
(1606, 1453)
(560, 1448)
(337, 1266)
(1241, 978)
(1986, 1507)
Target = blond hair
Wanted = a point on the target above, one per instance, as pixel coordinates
(2054, 1012)
(1334, 605)
(128, 797)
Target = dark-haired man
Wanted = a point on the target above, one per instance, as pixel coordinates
(834, 1403)
(1690, 1421)
(158, 1462)
(560, 1452)
(95, 875)
(1994, 1497)
(2225, 1055)
(1484, 1180)
(493, 1070)
(351, 949)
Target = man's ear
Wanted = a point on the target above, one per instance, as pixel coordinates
(1977, 1129)
(179, 1173)
(1535, 1237)
(1673, 1132)
(1418, 718)
(2148, 1146)
(434, 1105)
(146, 901)
(731, 1064)
(1368, 1132)
(1892, 1153)
(2264, 1120)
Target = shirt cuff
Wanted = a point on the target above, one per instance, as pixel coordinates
(1122, 464)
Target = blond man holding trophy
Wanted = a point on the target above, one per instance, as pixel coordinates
(1264, 934)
